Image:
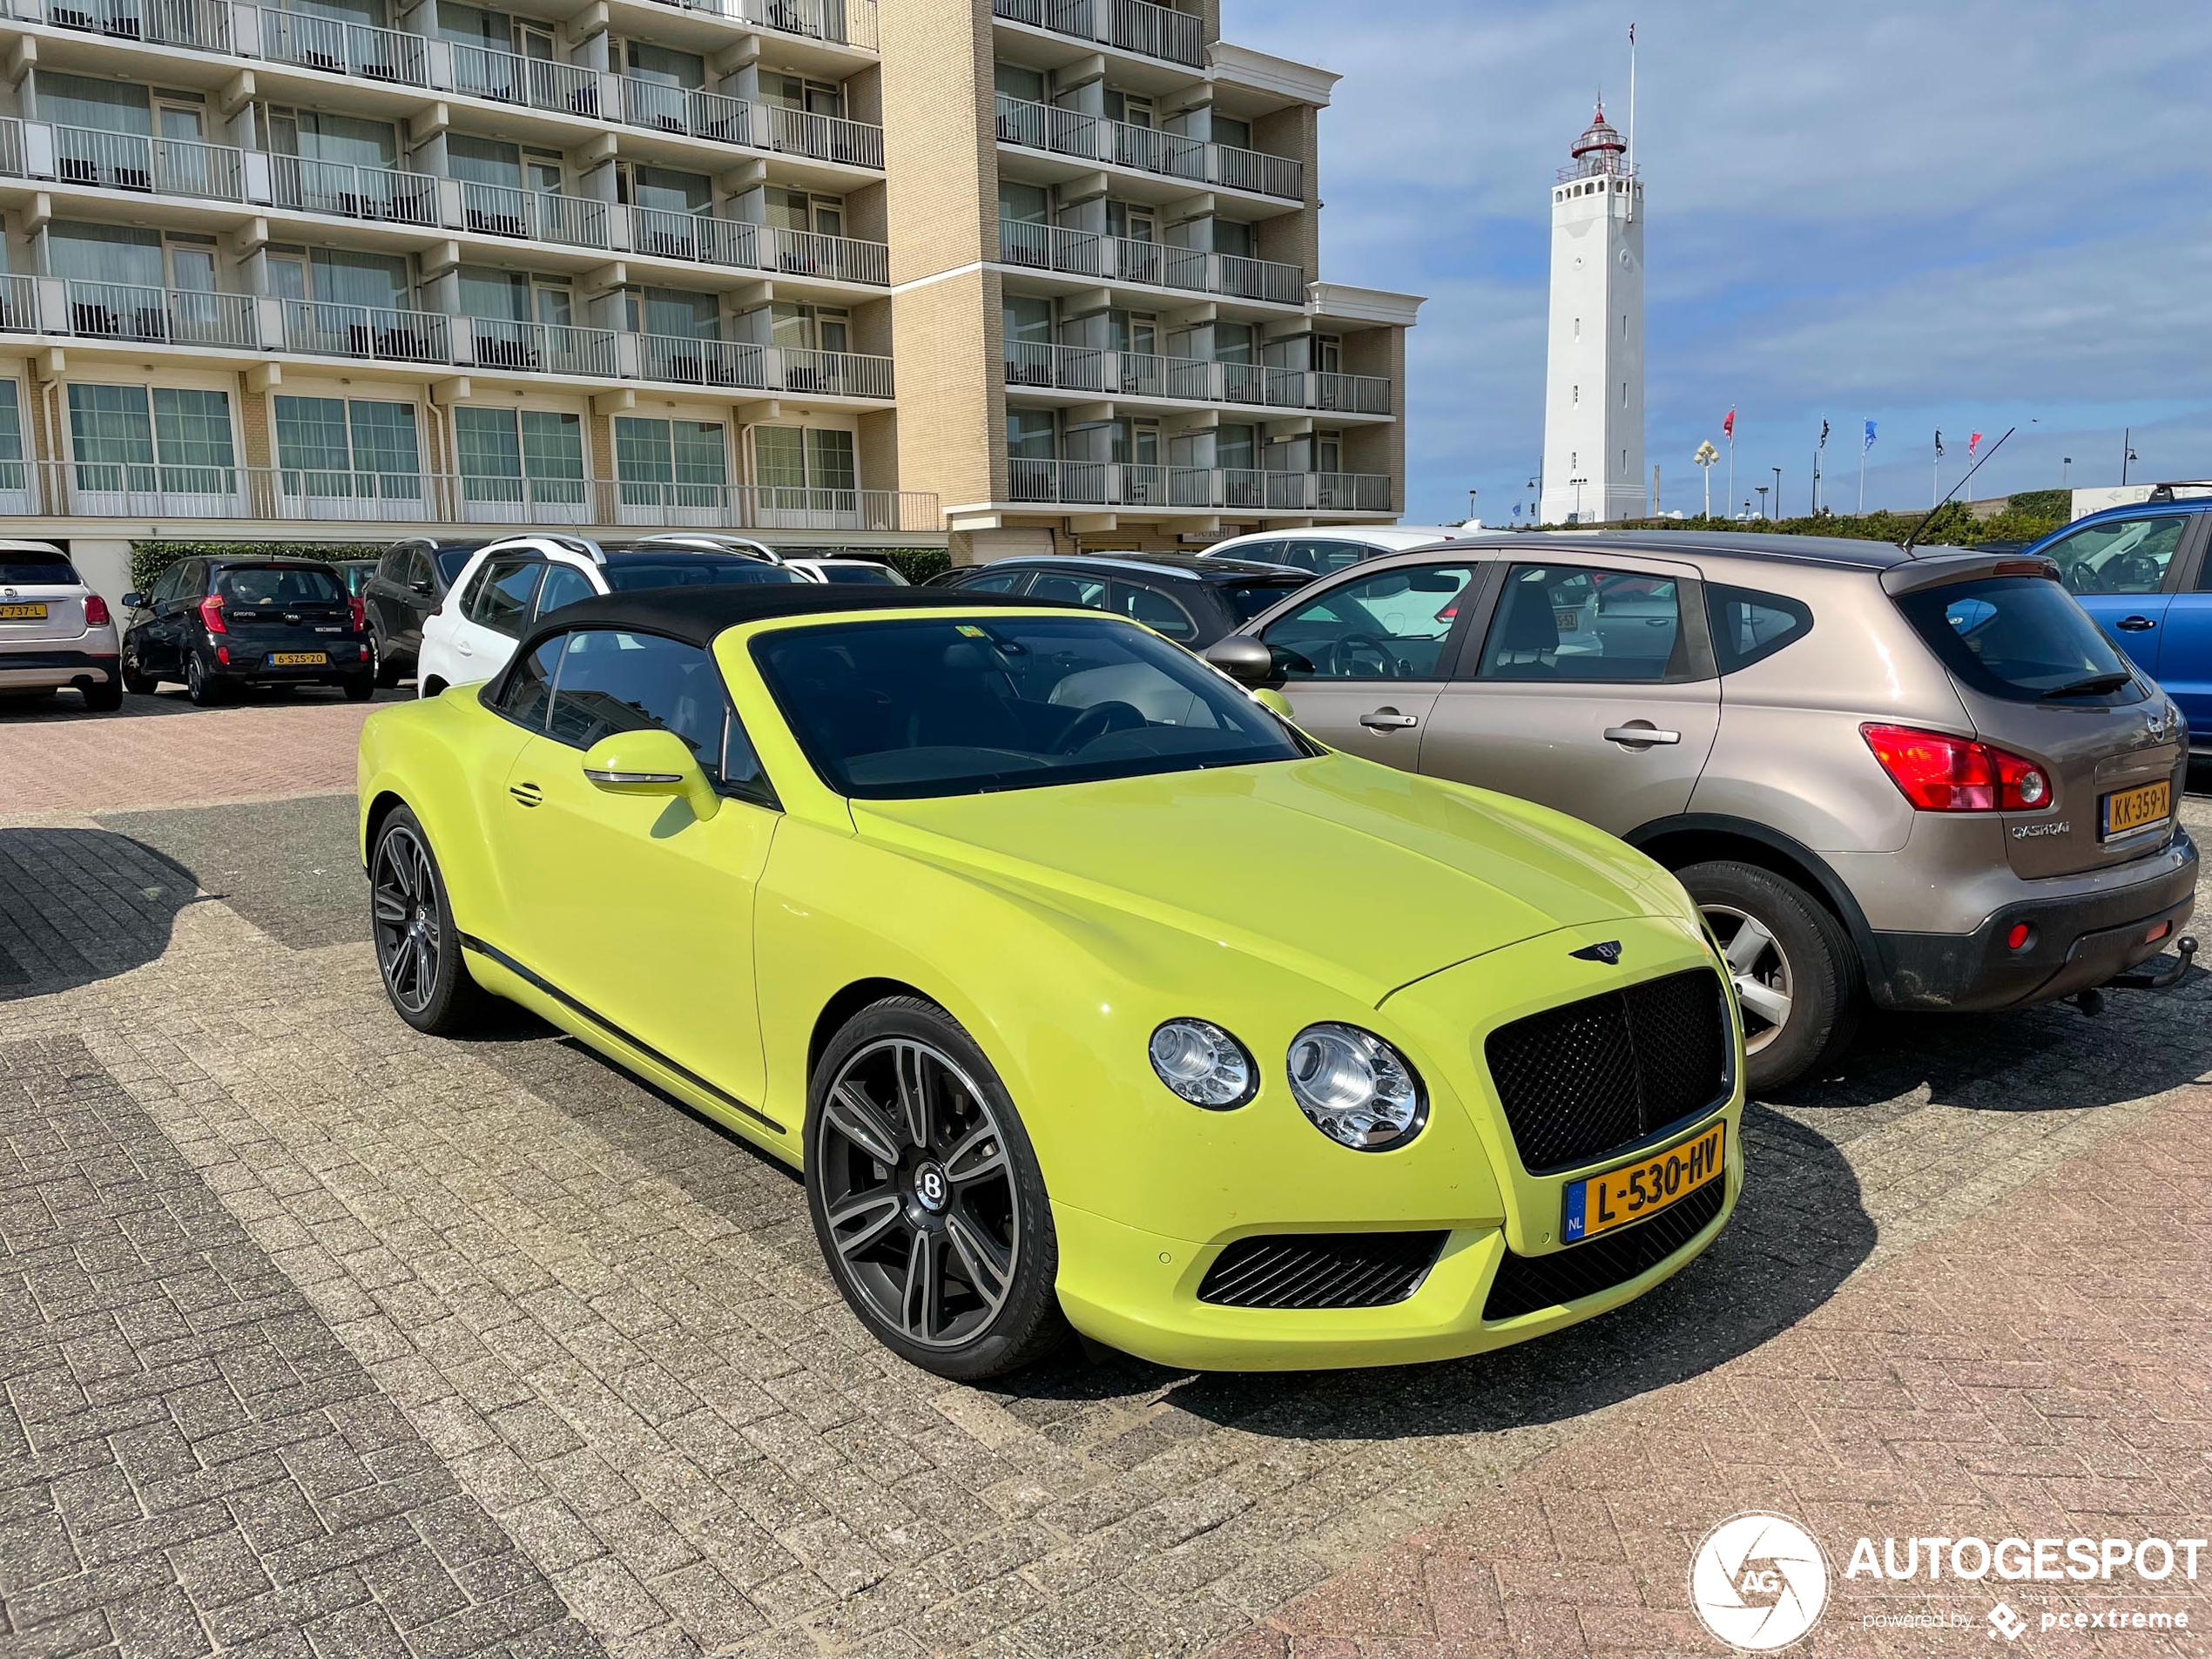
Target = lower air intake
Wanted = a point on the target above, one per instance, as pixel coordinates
(1320, 1270)
(1527, 1282)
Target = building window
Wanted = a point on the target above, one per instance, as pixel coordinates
(14, 474)
(1029, 434)
(788, 458)
(159, 438)
(520, 457)
(332, 447)
(671, 463)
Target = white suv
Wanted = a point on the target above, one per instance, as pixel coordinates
(507, 584)
(54, 632)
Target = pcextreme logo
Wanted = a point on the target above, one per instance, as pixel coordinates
(1758, 1582)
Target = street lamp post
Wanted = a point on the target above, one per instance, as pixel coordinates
(1761, 489)
(1777, 495)
(2066, 471)
(1578, 483)
(2126, 450)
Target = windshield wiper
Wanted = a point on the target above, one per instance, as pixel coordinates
(2091, 686)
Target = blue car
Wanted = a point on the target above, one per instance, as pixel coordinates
(2145, 573)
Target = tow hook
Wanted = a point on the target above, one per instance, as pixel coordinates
(2092, 1002)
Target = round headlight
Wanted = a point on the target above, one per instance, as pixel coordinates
(1204, 1063)
(1355, 1087)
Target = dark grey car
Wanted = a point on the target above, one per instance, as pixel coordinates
(1930, 781)
(1191, 599)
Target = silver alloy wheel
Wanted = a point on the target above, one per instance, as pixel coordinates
(404, 911)
(919, 1192)
(1762, 973)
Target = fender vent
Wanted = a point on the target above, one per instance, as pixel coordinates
(1527, 1282)
(1320, 1270)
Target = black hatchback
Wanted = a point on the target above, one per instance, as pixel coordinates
(220, 624)
(410, 580)
(1193, 601)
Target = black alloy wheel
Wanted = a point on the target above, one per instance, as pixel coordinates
(926, 1197)
(418, 951)
(200, 685)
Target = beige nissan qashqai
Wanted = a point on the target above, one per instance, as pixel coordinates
(1927, 780)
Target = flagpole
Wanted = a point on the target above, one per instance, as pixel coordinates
(1731, 503)
(1863, 447)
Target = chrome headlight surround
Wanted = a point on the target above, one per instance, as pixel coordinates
(1355, 1087)
(1203, 1065)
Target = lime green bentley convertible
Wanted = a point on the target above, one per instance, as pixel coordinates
(1084, 989)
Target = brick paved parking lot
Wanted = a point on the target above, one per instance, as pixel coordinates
(319, 1337)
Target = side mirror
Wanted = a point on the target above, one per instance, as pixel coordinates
(134, 600)
(1245, 659)
(653, 763)
(422, 588)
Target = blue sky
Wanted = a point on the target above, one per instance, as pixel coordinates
(1967, 216)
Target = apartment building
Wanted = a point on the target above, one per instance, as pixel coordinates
(340, 269)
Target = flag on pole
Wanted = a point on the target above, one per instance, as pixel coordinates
(1972, 444)
(1938, 443)
(1516, 510)
(1868, 444)
(1728, 427)
(1824, 432)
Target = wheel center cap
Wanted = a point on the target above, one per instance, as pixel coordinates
(931, 1189)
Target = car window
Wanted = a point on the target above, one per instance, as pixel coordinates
(1154, 608)
(1247, 599)
(419, 572)
(164, 586)
(696, 570)
(529, 685)
(1568, 623)
(741, 769)
(503, 600)
(564, 584)
(957, 705)
(42, 569)
(1389, 626)
(1090, 591)
(2021, 639)
(393, 566)
(862, 575)
(997, 582)
(2119, 554)
(612, 681)
(1748, 625)
(273, 588)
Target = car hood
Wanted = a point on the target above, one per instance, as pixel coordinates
(1336, 867)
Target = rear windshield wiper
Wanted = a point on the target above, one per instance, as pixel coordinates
(2092, 685)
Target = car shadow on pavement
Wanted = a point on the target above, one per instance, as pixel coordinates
(82, 905)
(1798, 1231)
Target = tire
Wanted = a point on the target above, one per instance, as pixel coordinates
(410, 923)
(387, 675)
(966, 1196)
(200, 685)
(1807, 956)
(106, 698)
(138, 683)
(358, 689)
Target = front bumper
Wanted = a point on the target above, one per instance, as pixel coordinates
(2075, 943)
(1139, 1291)
(47, 670)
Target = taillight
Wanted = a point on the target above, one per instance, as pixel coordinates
(437, 610)
(1940, 774)
(95, 612)
(211, 614)
(358, 613)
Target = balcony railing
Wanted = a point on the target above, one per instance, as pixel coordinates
(1121, 258)
(848, 23)
(397, 57)
(1129, 25)
(1117, 484)
(1094, 138)
(534, 215)
(670, 235)
(543, 349)
(132, 161)
(1088, 368)
(19, 305)
(386, 194)
(181, 316)
(274, 494)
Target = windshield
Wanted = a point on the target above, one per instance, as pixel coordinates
(692, 571)
(1247, 599)
(872, 575)
(2022, 638)
(278, 586)
(965, 705)
(36, 570)
(452, 561)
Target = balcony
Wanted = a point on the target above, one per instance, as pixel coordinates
(178, 316)
(395, 58)
(1117, 484)
(279, 494)
(1121, 259)
(1123, 373)
(1126, 25)
(1094, 139)
(134, 163)
(842, 23)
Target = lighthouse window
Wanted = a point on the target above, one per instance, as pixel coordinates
(1624, 394)
(1578, 327)
(1578, 395)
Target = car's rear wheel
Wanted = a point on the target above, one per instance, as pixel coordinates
(388, 673)
(418, 948)
(1795, 974)
(926, 1197)
(137, 681)
(360, 688)
(106, 697)
(200, 685)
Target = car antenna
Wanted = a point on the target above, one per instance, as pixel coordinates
(1906, 546)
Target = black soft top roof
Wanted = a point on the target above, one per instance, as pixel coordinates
(696, 614)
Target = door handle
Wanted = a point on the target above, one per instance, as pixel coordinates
(1388, 721)
(464, 647)
(529, 794)
(2135, 625)
(1637, 734)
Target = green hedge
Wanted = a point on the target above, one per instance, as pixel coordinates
(150, 559)
(2025, 519)
(918, 565)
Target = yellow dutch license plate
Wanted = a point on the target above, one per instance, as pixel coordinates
(1598, 1203)
(2129, 810)
(23, 613)
(299, 659)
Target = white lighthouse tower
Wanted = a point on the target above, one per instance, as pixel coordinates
(1593, 368)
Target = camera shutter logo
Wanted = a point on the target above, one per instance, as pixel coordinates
(1758, 1582)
